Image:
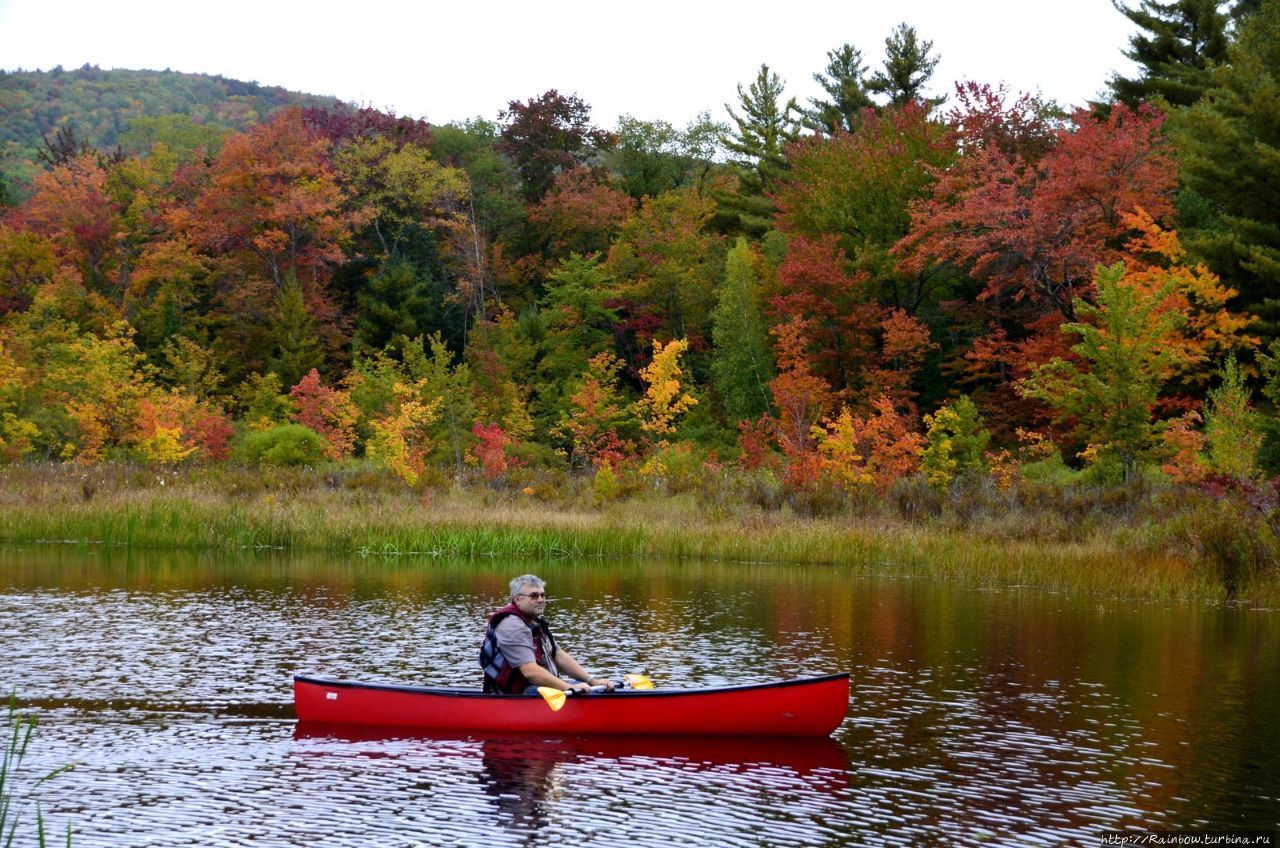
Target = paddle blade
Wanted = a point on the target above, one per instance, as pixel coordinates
(638, 681)
(553, 697)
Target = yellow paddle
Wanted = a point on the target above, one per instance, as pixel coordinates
(555, 698)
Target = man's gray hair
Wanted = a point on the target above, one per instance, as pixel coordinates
(527, 580)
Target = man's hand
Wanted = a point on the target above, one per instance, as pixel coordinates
(580, 687)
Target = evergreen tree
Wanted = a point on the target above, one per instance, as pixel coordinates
(908, 67)
(846, 86)
(297, 349)
(1229, 145)
(397, 303)
(573, 324)
(1176, 46)
(764, 129)
(741, 365)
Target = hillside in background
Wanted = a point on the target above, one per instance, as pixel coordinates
(103, 108)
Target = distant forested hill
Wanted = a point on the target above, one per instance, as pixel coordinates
(103, 108)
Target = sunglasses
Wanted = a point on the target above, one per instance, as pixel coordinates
(532, 595)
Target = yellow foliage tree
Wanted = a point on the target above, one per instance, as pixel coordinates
(842, 457)
(1205, 331)
(401, 441)
(664, 400)
(16, 433)
(101, 381)
(16, 437)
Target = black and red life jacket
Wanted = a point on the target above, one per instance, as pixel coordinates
(499, 675)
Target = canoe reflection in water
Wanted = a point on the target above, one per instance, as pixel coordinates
(520, 772)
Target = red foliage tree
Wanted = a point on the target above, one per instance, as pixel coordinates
(73, 208)
(858, 186)
(343, 124)
(490, 450)
(1036, 229)
(328, 411)
(1029, 217)
(839, 321)
(547, 135)
(754, 438)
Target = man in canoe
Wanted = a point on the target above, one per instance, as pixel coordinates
(519, 654)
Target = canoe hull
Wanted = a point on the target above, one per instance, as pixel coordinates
(807, 707)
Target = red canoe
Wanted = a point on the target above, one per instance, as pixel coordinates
(812, 706)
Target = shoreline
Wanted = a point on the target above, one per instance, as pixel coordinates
(194, 509)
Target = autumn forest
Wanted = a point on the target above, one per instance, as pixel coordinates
(903, 292)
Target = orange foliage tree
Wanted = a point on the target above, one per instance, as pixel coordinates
(580, 214)
(596, 413)
(802, 400)
(72, 206)
(875, 450)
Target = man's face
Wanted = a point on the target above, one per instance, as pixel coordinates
(531, 600)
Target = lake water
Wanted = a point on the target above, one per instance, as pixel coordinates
(1002, 717)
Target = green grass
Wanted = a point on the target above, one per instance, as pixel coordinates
(18, 729)
(222, 510)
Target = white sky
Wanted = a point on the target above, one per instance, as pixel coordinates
(653, 59)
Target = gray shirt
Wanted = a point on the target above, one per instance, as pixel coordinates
(515, 641)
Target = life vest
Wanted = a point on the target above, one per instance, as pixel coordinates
(499, 675)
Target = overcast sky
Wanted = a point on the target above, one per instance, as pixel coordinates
(653, 59)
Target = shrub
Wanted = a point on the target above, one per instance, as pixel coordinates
(1233, 542)
(763, 488)
(605, 484)
(1051, 470)
(675, 468)
(917, 497)
(286, 445)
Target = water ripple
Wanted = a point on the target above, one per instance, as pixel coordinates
(975, 717)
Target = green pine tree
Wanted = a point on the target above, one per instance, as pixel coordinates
(396, 303)
(1176, 48)
(1229, 145)
(908, 67)
(757, 152)
(297, 349)
(741, 364)
(846, 87)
